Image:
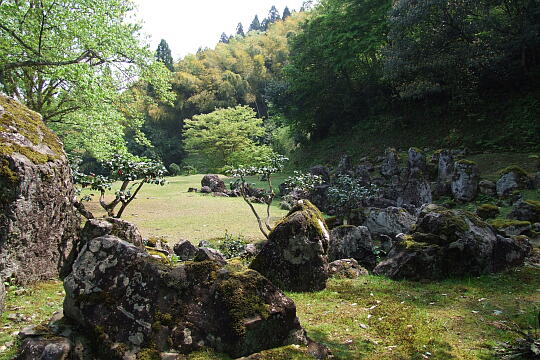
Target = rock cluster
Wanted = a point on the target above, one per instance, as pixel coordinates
(38, 222)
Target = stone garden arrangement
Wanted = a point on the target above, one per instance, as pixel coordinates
(126, 300)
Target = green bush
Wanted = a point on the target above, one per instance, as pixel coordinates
(174, 169)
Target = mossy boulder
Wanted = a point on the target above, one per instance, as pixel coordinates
(121, 297)
(511, 179)
(389, 221)
(487, 211)
(526, 210)
(447, 243)
(391, 162)
(295, 256)
(38, 222)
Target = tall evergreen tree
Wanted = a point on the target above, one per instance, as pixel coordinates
(286, 13)
(240, 30)
(163, 54)
(224, 38)
(273, 15)
(264, 25)
(255, 24)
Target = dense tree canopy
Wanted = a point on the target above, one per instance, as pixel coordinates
(163, 54)
(70, 59)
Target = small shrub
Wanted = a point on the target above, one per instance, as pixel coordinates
(232, 246)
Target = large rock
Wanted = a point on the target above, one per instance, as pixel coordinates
(415, 189)
(185, 250)
(451, 243)
(322, 171)
(389, 221)
(38, 222)
(512, 178)
(526, 210)
(352, 242)
(346, 268)
(214, 183)
(390, 165)
(138, 306)
(417, 159)
(295, 256)
(2, 296)
(465, 180)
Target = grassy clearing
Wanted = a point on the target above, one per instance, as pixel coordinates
(171, 212)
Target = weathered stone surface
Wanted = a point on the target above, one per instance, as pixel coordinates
(389, 221)
(347, 268)
(352, 242)
(136, 305)
(185, 250)
(390, 165)
(487, 211)
(345, 165)
(415, 189)
(209, 254)
(416, 159)
(295, 256)
(362, 173)
(45, 348)
(465, 180)
(510, 181)
(526, 210)
(214, 183)
(513, 228)
(451, 243)
(38, 222)
(487, 187)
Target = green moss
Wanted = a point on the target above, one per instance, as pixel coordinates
(533, 203)
(413, 245)
(290, 352)
(420, 151)
(30, 125)
(489, 207)
(504, 223)
(314, 215)
(161, 255)
(487, 211)
(240, 296)
(148, 354)
(163, 318)
(515, 169)
(466, 162)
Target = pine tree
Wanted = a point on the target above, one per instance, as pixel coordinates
(255, 24)
(224, 38)
(163, 54)
(273, 15)
(286, 13)
(240, 30)
(264, 25)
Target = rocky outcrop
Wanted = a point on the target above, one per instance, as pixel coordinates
(214, 183)
(322, 171)
(346, 268)
(487, 187)
(415, 190)
(295, 256)
(389, 221)
(451, 243)
(465, 180)
(136, 306)
(526, 210)
(352, 242)
(390, 165)
(445, 167)
(416, 160)
(38, 222)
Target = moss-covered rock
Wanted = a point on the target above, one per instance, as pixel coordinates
(487, 211)
(295, 257)
(446, 243)
(465, 180)
(118, 294)
(511, 179)
(352, 242)
(38, 223)
(526, 210)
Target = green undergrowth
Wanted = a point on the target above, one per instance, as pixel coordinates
(376, 318)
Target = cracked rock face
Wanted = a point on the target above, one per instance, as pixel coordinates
(38, 222)
(295, 256)
(135, 304)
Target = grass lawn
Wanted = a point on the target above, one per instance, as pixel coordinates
(171, 212)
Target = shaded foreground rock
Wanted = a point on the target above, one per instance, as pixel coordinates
(137, 305)
(353, 242)
(451, 243)
(526, 210)
(295, 256)
(214, 183)
(389, 221)
(38, 222)
(346, 268)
